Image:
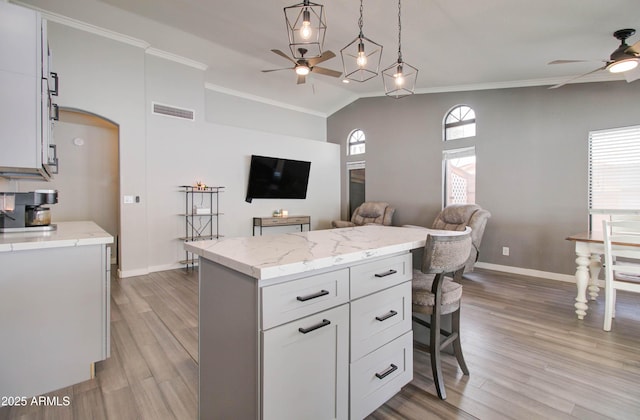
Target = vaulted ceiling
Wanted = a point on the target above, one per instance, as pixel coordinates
(455, 44)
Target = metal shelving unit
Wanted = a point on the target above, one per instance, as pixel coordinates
(201, 217)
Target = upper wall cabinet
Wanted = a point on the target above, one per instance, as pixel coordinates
(27, 111)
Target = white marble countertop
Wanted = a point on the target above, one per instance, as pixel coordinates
(273, 256)
(66, 234)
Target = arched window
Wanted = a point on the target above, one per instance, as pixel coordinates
(459, 123)
(459, 161)
(356, 142)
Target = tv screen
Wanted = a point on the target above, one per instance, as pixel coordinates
(271, 177)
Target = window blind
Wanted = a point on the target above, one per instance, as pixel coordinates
(614, 169)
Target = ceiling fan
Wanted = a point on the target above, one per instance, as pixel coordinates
(623, 59)
(305, 66)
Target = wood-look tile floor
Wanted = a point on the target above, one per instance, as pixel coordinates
(529, 357)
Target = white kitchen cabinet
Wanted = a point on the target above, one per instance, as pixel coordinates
(307, 346)
(26, 108)
(54, 316)
(381, 336)
(380, 375)
(306, 368)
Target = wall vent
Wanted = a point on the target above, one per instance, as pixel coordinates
(173, 111)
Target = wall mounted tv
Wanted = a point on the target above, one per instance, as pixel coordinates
(271, 177)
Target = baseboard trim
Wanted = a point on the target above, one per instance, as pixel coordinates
(167, 267)
(527, 272)
(132, 273)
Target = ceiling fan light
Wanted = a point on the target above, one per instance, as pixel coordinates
(302, 70)
(623, 65)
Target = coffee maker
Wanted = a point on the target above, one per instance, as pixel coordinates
(25, 211)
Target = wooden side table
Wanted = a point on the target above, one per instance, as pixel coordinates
(280, 221)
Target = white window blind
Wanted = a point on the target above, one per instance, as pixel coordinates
(614, 169)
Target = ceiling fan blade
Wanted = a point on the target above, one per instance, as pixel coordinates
(632, 75)
(286, 68)
(566, 61)
(634, 49)
(326, 72)
(301, 79)
(577, 77)
(327, 55)
(281, 54)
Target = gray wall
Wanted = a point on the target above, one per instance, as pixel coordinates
(531, 149)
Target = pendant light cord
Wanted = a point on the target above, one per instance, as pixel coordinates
(399, 33)
(361, 20)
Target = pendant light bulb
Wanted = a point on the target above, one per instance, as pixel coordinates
(305, 30)
(399, 77)
(362, 56)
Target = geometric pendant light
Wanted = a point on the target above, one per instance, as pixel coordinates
(306, 27)
(361, 58)
(400, 77)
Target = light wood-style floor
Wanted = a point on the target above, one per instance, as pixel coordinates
(529, 357)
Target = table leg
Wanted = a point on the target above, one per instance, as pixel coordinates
(582, 280)
(594, 270)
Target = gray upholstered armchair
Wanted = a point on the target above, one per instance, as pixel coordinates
(368, 212)
(458, 217)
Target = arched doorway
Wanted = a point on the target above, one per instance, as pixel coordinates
(88, 178)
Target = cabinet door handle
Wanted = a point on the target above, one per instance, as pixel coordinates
(387, 316)
(54, 91)
(324, 323)
(55, 112)
(387, 372)
(313, 296)
(386, 273)
(53, 162)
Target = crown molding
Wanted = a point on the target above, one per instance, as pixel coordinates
(595, 77)
(87, 27)
(176, 58)
(116, 36)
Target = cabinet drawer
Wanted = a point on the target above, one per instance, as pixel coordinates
(379, 318)
(380, 274)
(380, 375)
(286, 302)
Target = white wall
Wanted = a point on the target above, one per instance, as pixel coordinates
(183, 152)
(157, 154)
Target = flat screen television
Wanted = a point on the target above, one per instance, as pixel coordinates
(271, 177)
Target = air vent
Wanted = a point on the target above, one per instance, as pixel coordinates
(172, 111)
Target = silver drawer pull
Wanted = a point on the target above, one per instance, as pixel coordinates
(387, 316)
(386, 273)
(313, 296)
(387, 372)
(324, 323)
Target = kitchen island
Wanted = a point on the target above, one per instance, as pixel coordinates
(54, 307)
(305, 325)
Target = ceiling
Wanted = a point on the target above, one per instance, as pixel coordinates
(455, 44)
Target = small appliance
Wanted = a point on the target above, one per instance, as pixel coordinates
(26, 211)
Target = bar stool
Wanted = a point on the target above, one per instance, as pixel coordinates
(436, 295)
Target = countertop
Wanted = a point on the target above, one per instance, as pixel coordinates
(67, 234)
(272, 256)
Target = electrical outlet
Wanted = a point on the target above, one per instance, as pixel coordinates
(128, 199)
(505, 251)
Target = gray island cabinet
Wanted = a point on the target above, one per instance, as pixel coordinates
(54, 307)
(313, 325)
